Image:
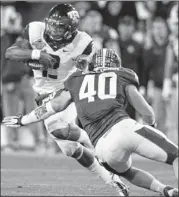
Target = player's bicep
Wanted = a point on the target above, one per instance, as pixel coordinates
(62, 101)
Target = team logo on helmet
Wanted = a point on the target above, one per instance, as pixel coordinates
(74, 16)
(105, 59)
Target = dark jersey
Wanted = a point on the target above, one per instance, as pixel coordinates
(100, 98)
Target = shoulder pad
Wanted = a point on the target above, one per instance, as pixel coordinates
(37, 24)
(84, 36)
(80, 42)
(36, 29)
(129, 76)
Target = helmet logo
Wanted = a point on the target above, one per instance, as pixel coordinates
(74, 16)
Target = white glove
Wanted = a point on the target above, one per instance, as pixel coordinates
(13, 121)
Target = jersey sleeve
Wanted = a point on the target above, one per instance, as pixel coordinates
(128, 76)
(88, 49)
(68, 83)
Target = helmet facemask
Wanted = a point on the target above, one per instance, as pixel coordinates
(58, 29)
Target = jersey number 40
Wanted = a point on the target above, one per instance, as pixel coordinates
(89, 91)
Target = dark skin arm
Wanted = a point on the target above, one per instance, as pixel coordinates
(140, 104)
(58, 104)
(21, 51)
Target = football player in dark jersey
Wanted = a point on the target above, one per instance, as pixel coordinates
(101, 91)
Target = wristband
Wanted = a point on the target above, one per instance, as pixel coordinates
(35, 55)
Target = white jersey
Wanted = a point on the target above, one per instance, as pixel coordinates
(66, 67)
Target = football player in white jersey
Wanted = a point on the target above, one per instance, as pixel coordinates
(50, 48)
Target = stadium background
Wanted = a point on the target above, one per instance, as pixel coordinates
(139, 32)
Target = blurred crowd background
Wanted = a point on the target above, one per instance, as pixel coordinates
(139, 32)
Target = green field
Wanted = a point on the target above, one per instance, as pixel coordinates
(27, 174)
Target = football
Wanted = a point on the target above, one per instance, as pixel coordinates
(34, 64)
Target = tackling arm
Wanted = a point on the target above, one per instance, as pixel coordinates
(42, 112)
(140, 104)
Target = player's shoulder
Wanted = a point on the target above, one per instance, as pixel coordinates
(36, 25)
(128, 75)
(83, 35)
(70, 80)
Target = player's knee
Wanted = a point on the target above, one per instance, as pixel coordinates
(61, 133)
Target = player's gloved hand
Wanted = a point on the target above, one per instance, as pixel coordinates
(81, 62)
(47, 60)
(13, 121)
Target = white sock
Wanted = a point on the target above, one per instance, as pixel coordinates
(101, 172)
(157, 186)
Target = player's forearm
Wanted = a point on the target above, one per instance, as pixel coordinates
(145, 110)
(140, 104)
(38, 114)
(18, 54)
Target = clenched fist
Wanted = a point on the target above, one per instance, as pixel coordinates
(81, 62)
(47, 60)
